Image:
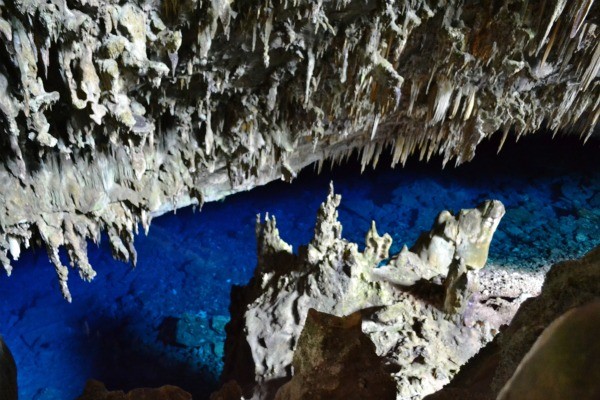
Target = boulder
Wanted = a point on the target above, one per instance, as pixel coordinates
(563, 362)
(334, 359)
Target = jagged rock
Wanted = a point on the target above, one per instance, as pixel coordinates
(423, 345)
(113, 112)
(8, 374)
(334, 359)
(95, 390)
(454, 246)
(466, 237)
(569, 284)
(456, 293)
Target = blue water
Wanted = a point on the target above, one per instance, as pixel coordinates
(119, 328)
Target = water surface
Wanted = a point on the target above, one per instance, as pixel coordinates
(119, 328)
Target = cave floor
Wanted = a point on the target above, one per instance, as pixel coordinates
(119, 328)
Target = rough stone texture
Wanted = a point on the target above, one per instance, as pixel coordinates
(8, 374)
(334, 359)
(568, 285)
(422, 344)
(563, 362)
(229, 391)
(95, 390)
(112, 112)
(453, 247)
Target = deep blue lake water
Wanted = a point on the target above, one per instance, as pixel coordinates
(119, 327)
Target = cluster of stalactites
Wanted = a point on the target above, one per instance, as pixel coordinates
(161, 104)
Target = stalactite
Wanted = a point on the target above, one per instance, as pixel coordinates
(115, 116)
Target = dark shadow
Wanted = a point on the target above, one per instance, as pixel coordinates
(167, 331)
(367, 313)
(429, 292)
(238, 355)
(123, 361)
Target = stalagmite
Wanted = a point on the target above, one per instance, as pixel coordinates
(420, 336)
(163, 104)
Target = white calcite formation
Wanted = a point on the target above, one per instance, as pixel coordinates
(112, 112)
(550, 348)
(423, 345)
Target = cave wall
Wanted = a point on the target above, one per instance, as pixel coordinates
(112, 112)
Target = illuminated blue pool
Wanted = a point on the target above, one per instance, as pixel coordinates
(122, 328)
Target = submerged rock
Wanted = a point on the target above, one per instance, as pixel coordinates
(192, 330)
(423, 345)
(8, 373)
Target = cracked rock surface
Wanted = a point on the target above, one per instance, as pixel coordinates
(112, 112)
(422, 344)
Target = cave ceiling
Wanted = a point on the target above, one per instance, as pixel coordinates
(113, 112)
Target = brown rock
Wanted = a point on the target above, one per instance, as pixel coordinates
(563, 362)
(95, 390)
(336, 360)
(229, 391)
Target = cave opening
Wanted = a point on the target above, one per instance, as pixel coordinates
(163, 321)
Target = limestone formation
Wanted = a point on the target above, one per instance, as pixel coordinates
(113, 112)
(423, 346)
(335, 360)
(543, 353)
(453, 247)
(8, 374)
(466, 237)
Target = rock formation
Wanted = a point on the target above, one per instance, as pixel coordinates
(422, 345)
(112, 112)
(558, 328)
(8, 374)
(334, 359)
(563, 362)
(453, 247)
(95, 390)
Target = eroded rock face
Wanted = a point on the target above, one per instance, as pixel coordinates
(541, 330)
(112, 112)
(8, 374)
(423, 345)
(334, 359)
(453, 247)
